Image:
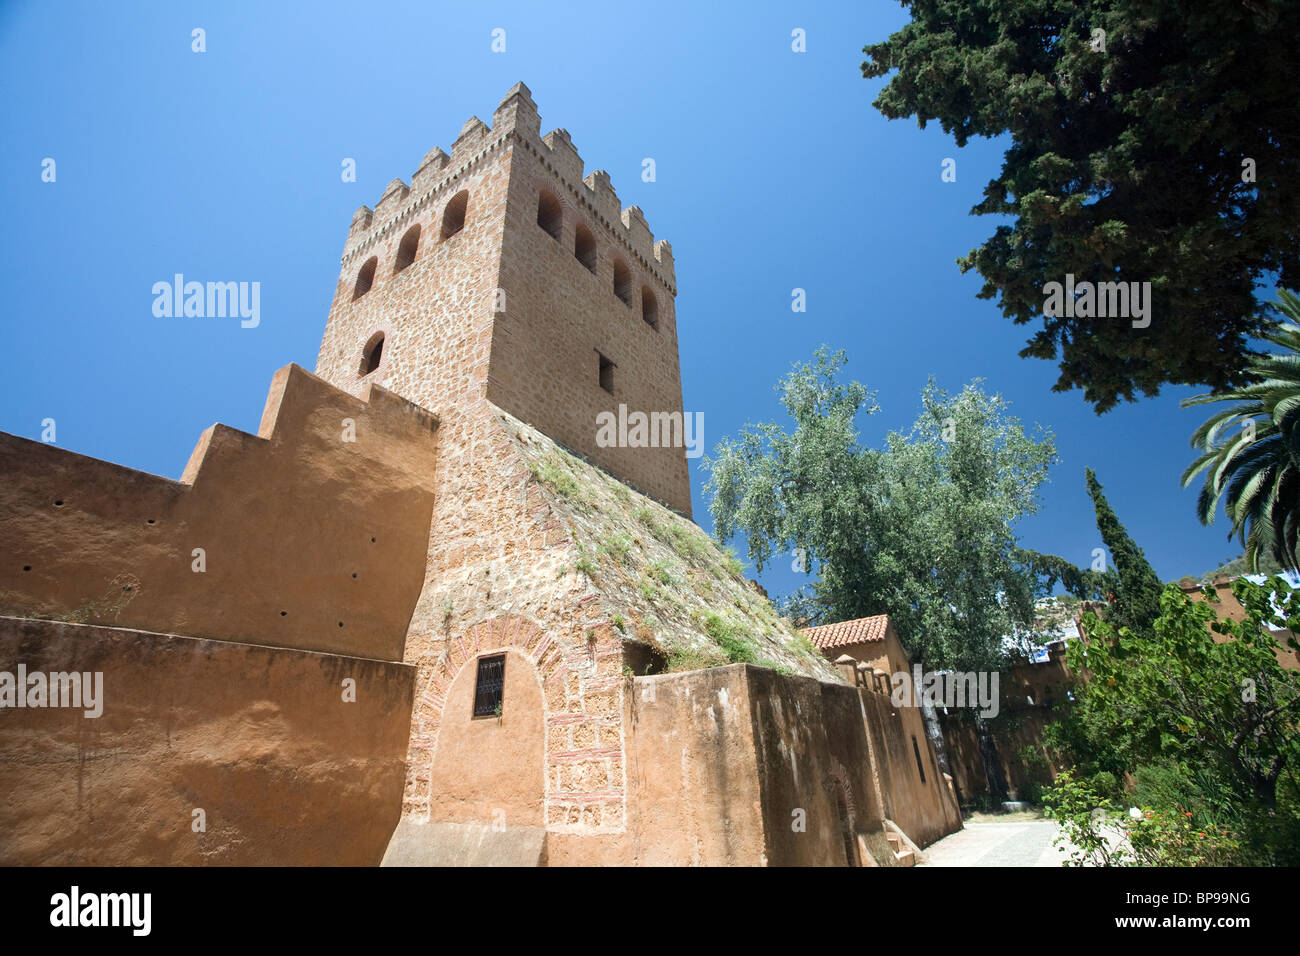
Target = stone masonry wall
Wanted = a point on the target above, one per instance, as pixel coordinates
(562, 318)
(503, 310)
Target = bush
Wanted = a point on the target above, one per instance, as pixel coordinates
(1037, 774)
(1086, 829)
(1175, 838)
(1171, 784)
(1205, 727)
(1099, 832)
(1105, 783)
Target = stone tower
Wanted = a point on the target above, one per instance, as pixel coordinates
(456, 639)
(501, 273)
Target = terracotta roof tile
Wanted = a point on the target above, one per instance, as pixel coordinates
(864, 630)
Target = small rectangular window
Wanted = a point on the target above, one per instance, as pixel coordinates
(606, 374)
(490, 686)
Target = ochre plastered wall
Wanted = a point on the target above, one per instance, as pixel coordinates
(309, 540)
(920, 799)
(693, 771)
(561, 714)
(811, 746)
(492, 769)
(261, 739)
(924, 809)
(741, 765)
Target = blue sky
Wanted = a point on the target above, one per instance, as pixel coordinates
(773, 172)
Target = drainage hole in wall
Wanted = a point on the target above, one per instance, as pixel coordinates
(150, 521)
(283, 613)
(27, 567)
(58, 503)
(340, 623)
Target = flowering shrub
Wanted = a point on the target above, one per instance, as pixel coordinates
(1175, 838)
(1096, 832)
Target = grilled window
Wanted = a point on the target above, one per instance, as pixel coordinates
(489, 687)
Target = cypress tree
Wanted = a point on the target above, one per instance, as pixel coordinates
(1135, 596)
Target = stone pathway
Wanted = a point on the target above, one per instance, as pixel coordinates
(1027, 843)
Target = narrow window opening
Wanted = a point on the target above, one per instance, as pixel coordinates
(406, 251)
(453, 217)
(365, 278)
(917, 751)
(550, 215)
(606, 374)
(584, 248)
(372, 354)
(623, 282)
(649, 308)
(490, 686)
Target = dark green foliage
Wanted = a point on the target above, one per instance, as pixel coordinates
(1207, 728)
(1052, 569)
(1125, 165)
(1135, 596)
(1092, 761)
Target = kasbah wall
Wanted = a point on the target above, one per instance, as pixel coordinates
(398, 559)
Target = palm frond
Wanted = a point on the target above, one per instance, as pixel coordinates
(1256, 472)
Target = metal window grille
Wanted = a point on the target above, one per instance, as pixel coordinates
(489, 686)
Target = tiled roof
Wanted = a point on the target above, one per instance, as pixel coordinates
(864, 630)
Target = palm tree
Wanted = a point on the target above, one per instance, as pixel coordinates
(1257, 471)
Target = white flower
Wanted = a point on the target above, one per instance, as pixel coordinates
(1135, 813)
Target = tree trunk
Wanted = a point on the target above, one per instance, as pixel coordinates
(997, 780)
(934, 731)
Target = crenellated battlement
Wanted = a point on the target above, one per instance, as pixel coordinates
(516, 124)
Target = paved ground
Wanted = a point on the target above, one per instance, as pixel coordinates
(1026, 843)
